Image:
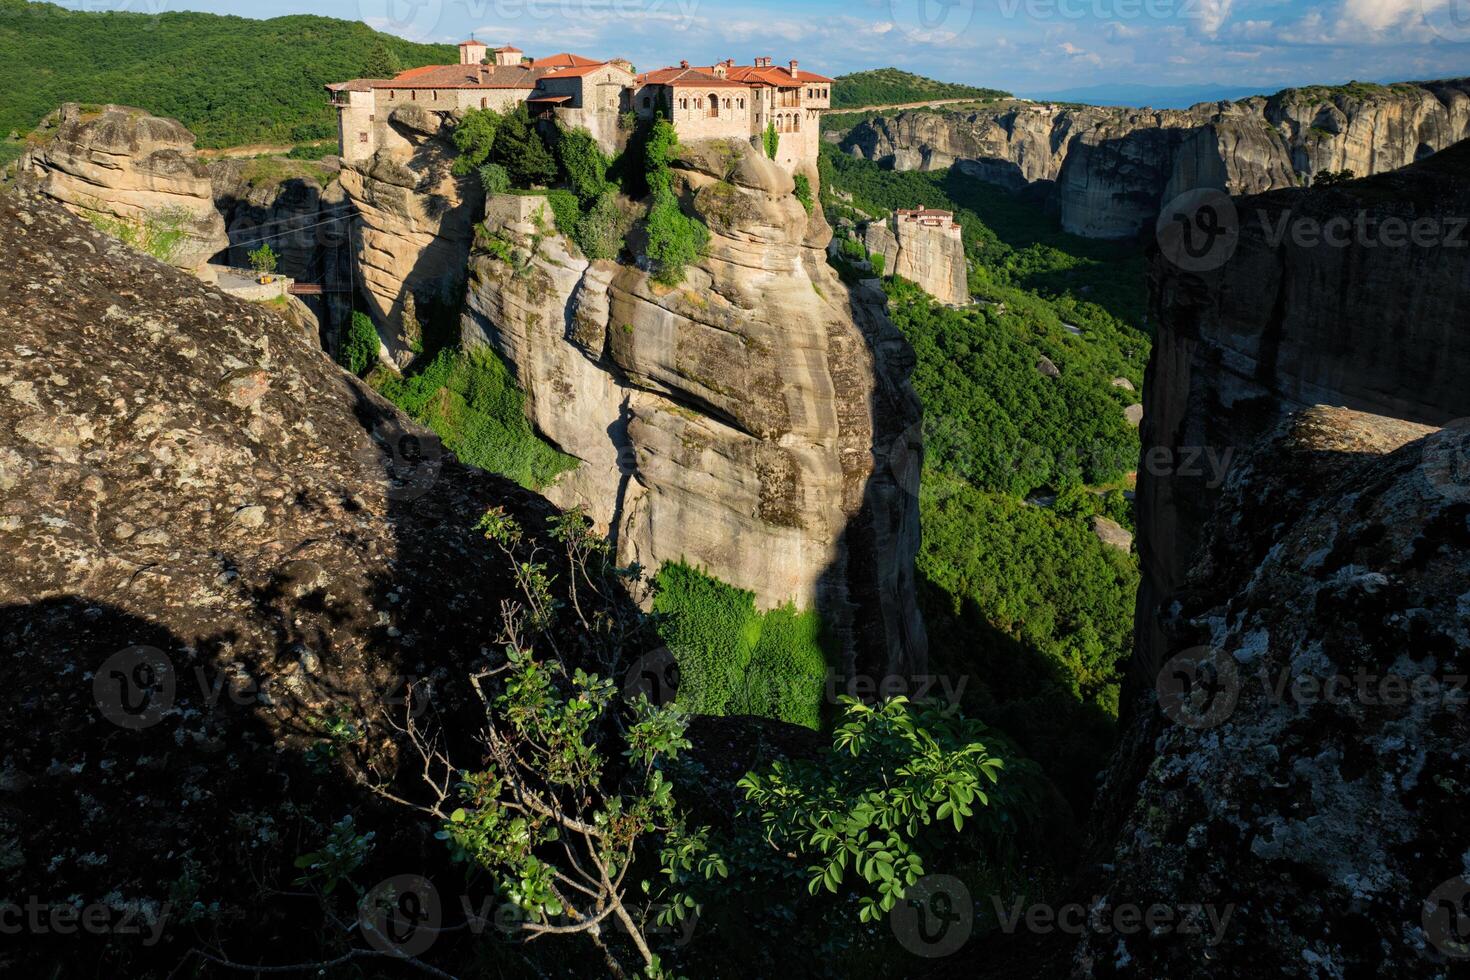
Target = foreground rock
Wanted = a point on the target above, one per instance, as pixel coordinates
(756, 420)
(126, 168)
(1109, 172)
(1293, 765)
(188, 473)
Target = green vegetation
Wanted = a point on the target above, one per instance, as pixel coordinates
(891, 86)
(771, 140)
(359, 350)
(734, 660)
(160, 233)
(674, 238)
(231, 80)
(1022, 597)
(471, 401)
(891, 771)
(803, 192)
(263, 260)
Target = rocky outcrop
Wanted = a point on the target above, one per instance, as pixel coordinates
(415, 223)
(1108, 172)
(194, 500)
(1292, 766)
(1283, 325)
(756, 419)
(127, 168)
(928, 253)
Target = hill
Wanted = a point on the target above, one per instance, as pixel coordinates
(892, 86)
(231, 80)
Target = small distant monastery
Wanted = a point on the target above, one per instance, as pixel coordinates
(714, 101)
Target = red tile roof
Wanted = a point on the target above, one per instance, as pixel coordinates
(564, 60)
(744, 75)
(465, 44)
(581, 70)
(687, 77)
(510, 47)
(465, 76)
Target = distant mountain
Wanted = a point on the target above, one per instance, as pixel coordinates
(230, 79)
(1148, 96)
(892, 86)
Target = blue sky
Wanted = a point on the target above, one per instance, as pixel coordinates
(1021, 45)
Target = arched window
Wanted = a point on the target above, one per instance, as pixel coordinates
(714, 104)
(484, 103)
(414, 94)
(740, 102)
(796, 122)
(683, 103)
(392, 94)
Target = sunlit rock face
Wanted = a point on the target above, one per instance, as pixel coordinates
(756, 419)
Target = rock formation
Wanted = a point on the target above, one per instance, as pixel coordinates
(124, 167)
(756, 420)
(1293, 763)
(929, 252)
(187, 472)
(1108, 172)
(414, 223)
(1284, 325)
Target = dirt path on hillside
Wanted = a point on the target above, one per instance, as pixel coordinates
(252, 150)
(901, 105)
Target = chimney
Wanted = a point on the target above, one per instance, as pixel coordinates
(794, 72)
(684, 64)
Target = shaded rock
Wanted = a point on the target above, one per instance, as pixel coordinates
(1047, 369)
(1123, 383)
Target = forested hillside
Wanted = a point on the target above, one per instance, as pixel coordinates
(1019, 594)
(892, 86)
(231, 80)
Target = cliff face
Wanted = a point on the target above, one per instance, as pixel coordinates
(124, 165)
(1113, 170)
(755, 419)
(931, 256)
(415, 222)
(1294, 756)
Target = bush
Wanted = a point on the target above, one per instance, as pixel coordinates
(565, 211)
(583, 165)
(600, 231)
(471, 401)
(674, 239)
(359, 350)
(733, 659)
(804, 192)
(771, 140)
(494, 178)
(474, 137)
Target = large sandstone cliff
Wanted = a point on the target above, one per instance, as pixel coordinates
(122, 165)
(924, 253)
(756, 419)
(1109, 172)
(1294, 754)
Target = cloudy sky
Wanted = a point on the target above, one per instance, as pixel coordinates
(1026, 46)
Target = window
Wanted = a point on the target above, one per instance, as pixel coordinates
(796, 122)
(414, 95)
(392, 94)
(683, 103)
(740, 102)
(484, 103)
(362, 137)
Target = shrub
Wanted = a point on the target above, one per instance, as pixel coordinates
(772, 140)
(600, 231)
(733, 659)
(804, 192)
(565, 211)
(494, 178)
(471, 401)
(359, 350)
(583, 164)
(878, 261)
(674, 239)
(474, 137)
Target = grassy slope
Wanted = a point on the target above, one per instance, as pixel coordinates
(891, 86)
(230, 79)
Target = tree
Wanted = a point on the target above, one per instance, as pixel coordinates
(519, 148)
(583, 164)
(359, 350)
(600, 230)
(474, 137)
(263, 260)
(494, 178)
(771, 139)
(381, 62)
(1331, 178)
(803, 192)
